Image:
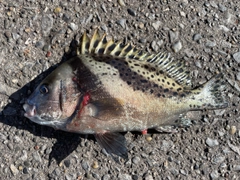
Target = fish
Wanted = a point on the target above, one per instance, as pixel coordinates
(110, 87)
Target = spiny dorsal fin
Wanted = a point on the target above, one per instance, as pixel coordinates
(100, 45)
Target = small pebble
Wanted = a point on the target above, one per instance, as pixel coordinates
(233, 130)
(124, 177)
(46, 24)
(141, 25)
(106, 177)
(67, 163)
(36, 156)
(48, 54)
(20, 168)
(173, 36)
(148, 138)
(177, 46)
(218, 159)
(66, 18)
(197, 37)
(14, 170)
(85, 165)
(214, 175)
(121, 22)
(154, 46)
(148, 177)
(39, 44)
(136, 160)
(95, 165)
(25, 170)
(121, 2)
(236, 56)
(212, 142)
(73, 26)
(156, 25)
(57, 10)
(57, 172)
(236, 167)
(131, 12)
(222, 8)
(238, 76)
(210, 43)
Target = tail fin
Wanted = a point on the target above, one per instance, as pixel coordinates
(210, 95)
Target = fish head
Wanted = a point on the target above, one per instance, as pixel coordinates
(55, 99)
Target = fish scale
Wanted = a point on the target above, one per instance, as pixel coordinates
(110, 87)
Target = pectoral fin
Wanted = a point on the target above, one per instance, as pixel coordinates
(113, 143)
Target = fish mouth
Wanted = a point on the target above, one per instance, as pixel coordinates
(30, 111)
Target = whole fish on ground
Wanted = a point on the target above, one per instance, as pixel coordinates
(110, 87)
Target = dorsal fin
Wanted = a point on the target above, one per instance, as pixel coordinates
(100, 45)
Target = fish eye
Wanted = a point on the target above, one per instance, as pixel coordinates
(43, 89)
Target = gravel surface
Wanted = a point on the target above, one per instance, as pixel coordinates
(37, 35)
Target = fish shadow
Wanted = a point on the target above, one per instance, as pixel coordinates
(13, 115)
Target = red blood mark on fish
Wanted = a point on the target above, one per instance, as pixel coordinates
(144, 132)
(85, 101)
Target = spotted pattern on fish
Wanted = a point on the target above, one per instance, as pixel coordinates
(160, 63)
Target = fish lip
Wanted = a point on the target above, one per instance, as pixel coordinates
(30, 110)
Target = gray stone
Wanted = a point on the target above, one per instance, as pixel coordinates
(210, 43)
(212, 142)
(166, 145)
(90, 17)
(238, 76)
(121, 22)
(39, 44)
(14, 170)
(154, 46)
(236, 167)
(85, 165)
(104, 8)
(222, 8)
(15, 36)
(73, 26)
(214, 175)
(224, 28)
(177, 46)
(173, 36)
(236, 56)
(197, 37)
(136, 160)
(124, 177)
(106, 177)
(218, 159)
(66, 18)
(57, 172)
(46, 24)
(148, 177)
(37, 157)
(156, 25)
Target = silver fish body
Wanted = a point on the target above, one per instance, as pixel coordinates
(109, 88)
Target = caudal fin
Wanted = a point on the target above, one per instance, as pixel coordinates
(211, 93)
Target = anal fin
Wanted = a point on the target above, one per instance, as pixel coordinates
(114, 143)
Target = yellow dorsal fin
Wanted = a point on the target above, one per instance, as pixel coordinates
(100, 45)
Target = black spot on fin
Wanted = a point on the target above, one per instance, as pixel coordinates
(114, 143)
(175, 69)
